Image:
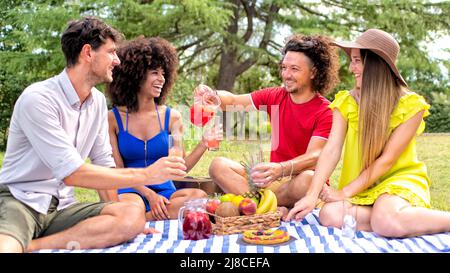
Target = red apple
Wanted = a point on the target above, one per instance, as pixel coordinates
(247, 206)
(211, 205)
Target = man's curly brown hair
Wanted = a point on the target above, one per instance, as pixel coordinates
(324, 59)
(137, 57)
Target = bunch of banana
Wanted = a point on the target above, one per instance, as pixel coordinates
(268, 202)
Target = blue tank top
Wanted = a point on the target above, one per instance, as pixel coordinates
(137, 153)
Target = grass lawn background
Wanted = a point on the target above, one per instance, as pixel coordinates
(433, 149)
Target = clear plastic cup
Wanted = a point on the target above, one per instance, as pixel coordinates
(349, 220)
(175, 146)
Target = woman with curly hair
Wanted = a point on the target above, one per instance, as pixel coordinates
(381, 176)
(140, 123)
(300, 119)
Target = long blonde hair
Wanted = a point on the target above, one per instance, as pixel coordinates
(380, 93)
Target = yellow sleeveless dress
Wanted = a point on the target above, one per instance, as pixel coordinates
(408, 176)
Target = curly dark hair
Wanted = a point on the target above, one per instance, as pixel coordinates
(137, 57)
(324, 58)
(88, 30)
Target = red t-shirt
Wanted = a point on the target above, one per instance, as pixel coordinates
(297, 123)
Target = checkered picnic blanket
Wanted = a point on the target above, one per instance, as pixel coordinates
(308, 237)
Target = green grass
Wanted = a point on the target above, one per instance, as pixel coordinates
(433, 149)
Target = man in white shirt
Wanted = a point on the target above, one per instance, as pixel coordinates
(56, 125)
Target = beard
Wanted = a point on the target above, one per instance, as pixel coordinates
(97, 77)
(292, 88)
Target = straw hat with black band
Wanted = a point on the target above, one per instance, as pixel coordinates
(379, 42)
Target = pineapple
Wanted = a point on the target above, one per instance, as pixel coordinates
(254, 191)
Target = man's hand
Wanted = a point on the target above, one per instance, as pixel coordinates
(166, 168)
(302, 208)
(265, 173)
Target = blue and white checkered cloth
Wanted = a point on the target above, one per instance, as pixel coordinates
(310, 237)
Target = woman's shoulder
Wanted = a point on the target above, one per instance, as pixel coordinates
(120, 109)
(410, 101)
(343, 98)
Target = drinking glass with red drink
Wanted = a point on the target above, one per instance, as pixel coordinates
(194, 220)
(213, 135)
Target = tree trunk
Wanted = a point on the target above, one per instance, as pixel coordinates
(227, 71)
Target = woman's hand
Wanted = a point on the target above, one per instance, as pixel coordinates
(158, 207)
(331, 195)
(265, 173)
(157, 204)
(302, 208)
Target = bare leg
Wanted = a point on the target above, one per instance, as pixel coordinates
(228, 175)
(132, 198)
(294, 190)
(9, 244)
(331, 215)
(117, 223)
(393, 216)
(177, 201)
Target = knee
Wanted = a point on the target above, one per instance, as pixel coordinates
(9, 244)
(196, 193)
(217, 165)
(130, 221)
(387, 224)
(330, 216)
(300, 184)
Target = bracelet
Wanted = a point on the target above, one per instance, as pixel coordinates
(282, 172)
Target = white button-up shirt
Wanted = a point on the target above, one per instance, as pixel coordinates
(50, 136)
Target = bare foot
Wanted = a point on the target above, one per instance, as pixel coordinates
(150, 231)
(284, 212)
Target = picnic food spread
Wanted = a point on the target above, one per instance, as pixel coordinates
(265, 237)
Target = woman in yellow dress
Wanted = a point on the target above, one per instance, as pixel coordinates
(381, 176)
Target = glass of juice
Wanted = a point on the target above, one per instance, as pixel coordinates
(175, 144)
(213, 135)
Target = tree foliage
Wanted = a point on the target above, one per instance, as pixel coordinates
(228, 44)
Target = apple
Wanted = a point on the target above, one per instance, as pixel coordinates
(247, 207)
(211, 205)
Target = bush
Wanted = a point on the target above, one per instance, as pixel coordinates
(439, 119)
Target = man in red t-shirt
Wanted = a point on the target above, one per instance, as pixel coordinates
(300, 118)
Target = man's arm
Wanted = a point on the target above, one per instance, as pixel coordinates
(40, 122)
(226, 97)
(102, 178)
(229, 99)
(265, 173)
(308, 160)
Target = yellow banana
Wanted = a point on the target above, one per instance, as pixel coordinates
(262, 204)
(266, 201)
(261, 199)
(274, 204)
